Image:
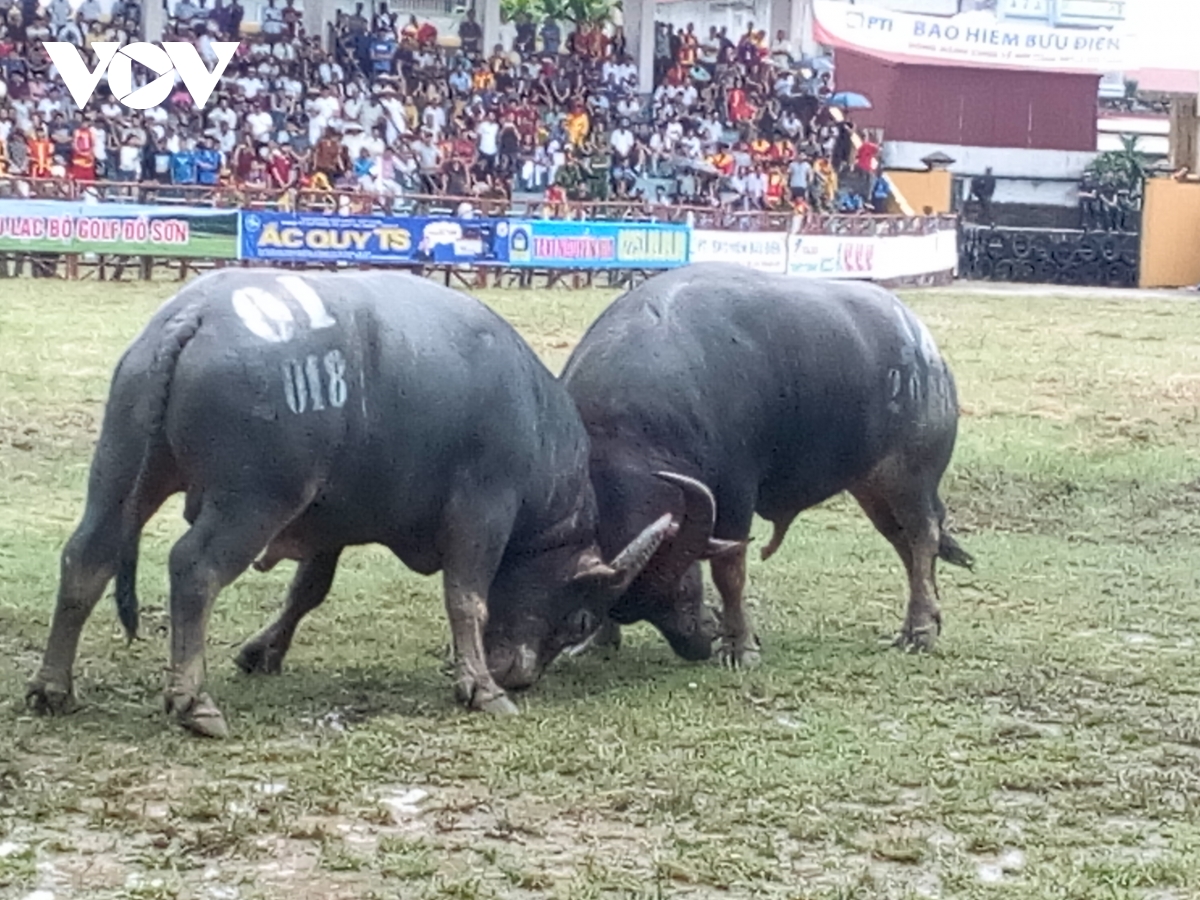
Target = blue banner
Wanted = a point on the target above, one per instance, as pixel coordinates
(596, 245)
(314, 237)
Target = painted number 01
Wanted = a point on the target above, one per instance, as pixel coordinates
(305, 388)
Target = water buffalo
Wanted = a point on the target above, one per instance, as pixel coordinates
(776, 393)
(305, 413)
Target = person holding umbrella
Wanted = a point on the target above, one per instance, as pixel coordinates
(849, 100)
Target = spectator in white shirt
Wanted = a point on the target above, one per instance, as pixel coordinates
(99, 147)
(489, 130)
(260, 123)
(272, 21)
(673, 133)
(60, 13)
(434, 118)
(393, 110)
(756, 188)
(225, 140)
(251, 86)
(622, 142)
(129, 160)
(322, 110)
(222, 113)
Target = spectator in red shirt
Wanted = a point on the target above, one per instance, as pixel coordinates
(280, 167)
(867, 157)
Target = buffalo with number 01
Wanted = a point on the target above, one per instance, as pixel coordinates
(775, 393)
(305, 413)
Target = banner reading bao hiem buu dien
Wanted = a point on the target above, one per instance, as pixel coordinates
(52, 226)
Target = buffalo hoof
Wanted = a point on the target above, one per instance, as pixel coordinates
(918, 640)
(741, 655)
(499, 705)
(50, 698)
(259, 658)
(482, 696)
(199, 715)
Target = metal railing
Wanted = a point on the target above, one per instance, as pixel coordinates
(115, 266)
(355, 202)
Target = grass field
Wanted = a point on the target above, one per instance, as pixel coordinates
(1049, 748)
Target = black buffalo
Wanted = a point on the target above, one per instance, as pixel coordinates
(305, 413)
(776, 393)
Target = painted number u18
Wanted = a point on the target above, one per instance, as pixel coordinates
(315, 382)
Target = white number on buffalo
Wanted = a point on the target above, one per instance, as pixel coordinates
(309, 300)
(295, 388)
(335, 367)
(264, 314)
(271, 318)
(302, 382)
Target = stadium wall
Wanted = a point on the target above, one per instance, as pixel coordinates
(884, 249)
(1170, 234)
(973, 107)
(921, 190)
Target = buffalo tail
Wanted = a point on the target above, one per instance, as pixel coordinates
(178, 330)
(951, 552)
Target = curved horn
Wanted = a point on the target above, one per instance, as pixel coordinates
(628, 564)
(691, 541)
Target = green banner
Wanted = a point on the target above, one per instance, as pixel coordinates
(51, 226)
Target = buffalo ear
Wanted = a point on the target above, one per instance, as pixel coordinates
(594, 569)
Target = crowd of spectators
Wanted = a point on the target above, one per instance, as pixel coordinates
(392, 110)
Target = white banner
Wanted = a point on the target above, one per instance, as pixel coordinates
(762, 250)
(970, 39)
(871, 258)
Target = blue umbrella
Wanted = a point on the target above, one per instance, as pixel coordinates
(849, 100)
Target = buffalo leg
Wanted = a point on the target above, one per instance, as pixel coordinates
(88, 563)
(908, 519)
(110, 527)
(739, 646)
(474, 686)
(221, 544)
(310, 585)
(470, 563)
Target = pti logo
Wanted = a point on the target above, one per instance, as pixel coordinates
(165, 61)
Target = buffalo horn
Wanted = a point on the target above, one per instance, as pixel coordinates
(628, 564)
(694, 536)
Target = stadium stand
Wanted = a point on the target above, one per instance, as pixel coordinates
(398, 117)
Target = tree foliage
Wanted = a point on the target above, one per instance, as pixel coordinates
(1123, 169)
(579, 12)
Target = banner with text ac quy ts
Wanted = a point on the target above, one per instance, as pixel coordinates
(380, 240)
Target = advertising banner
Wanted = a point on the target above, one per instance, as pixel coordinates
(872, 258)
(830, 256)
(314, 237)
(60, 226)
(765, 251)
(596, 245)
(970, 39)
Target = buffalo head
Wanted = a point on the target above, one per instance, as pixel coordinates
(669, 591)
(542, 604)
